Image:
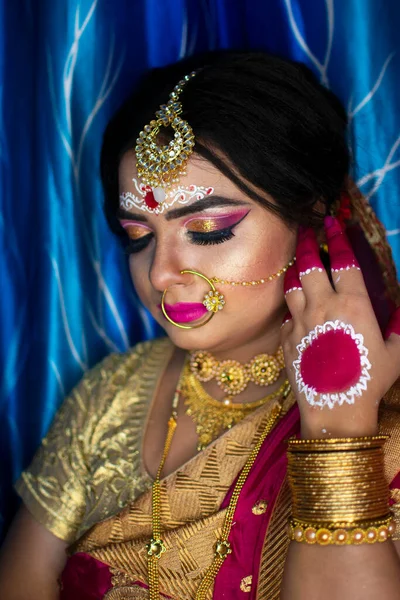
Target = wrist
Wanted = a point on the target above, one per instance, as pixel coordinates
(343, 422)
(337, 431)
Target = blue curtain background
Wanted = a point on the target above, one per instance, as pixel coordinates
(65, 66)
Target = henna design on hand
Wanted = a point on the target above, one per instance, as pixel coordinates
(332, 365)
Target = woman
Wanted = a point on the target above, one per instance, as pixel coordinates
(168, 472)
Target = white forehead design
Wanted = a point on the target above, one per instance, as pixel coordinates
(180, 195)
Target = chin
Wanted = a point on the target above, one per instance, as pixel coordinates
(210, 337)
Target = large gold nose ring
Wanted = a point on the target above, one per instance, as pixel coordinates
(214, 301)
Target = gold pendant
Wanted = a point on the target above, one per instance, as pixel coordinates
(155, 548)
(212, 417)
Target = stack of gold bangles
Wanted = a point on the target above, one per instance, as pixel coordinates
(339, 492)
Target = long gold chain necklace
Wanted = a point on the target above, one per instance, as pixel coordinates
(156, 547)
(211, 417)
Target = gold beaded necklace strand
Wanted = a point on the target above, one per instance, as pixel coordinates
(156, 547)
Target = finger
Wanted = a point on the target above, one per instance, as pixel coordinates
(310, 268)
(292, 282)
(293, 290)
(346, 272)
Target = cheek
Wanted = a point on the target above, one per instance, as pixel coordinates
(255, 304)
(139, 276)
(253, 257)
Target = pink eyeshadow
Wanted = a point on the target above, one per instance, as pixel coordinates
(213, 223)
(125, 224)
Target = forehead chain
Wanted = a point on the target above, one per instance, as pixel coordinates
(161, 165)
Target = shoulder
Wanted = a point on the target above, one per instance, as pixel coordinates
(112, 386)
(118, 370)
(92, 444)
(107, 390)
(128, 363)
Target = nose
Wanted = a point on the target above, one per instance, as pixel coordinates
(166, 267)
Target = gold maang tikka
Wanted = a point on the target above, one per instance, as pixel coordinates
(160, 165)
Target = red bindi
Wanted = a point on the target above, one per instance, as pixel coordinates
(150, 201)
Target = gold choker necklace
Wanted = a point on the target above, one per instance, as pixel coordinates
(232, 376)
(211, 416)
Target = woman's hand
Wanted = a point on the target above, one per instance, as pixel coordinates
(338, 375)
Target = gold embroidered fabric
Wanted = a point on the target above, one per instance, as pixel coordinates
(89, 465)
(245, 584)
(276, 544)
(191, 517)
(129, 592)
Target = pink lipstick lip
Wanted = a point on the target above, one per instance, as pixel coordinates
(184, 312)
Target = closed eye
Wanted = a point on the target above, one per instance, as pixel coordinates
(211, 234)
(132, 246)
(213, 237)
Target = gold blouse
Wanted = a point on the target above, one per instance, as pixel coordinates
(89, 465)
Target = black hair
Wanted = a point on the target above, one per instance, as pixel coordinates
(265, 122)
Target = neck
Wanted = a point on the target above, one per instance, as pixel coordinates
(264, 341)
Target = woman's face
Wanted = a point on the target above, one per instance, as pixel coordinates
(225, 235)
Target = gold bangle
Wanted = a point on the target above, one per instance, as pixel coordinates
(364, 491)
(338, 516)
(340, 480)
(333, 444)
(385, 520)
(324, 535)
(353, 464)
(358, 466)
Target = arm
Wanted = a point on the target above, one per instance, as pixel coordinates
(31, 561)
(348, 572)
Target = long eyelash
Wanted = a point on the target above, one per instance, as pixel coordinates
(134, 246)
(196, 237)
(211, 238)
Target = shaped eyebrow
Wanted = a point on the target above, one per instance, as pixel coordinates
(177, 213)
(203, 204)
